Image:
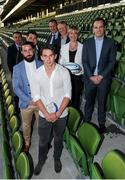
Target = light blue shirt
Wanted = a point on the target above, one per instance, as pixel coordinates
(98, 45)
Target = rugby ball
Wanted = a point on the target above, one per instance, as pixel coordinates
(73, 67)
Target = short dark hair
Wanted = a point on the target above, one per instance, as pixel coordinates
(32, 32)
(99, 19)
(17, 32)
(27, 43)
(53, 21)
(62, 22)
(48, 46)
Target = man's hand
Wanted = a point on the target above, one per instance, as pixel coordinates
(32, 103)
(51, 117)
(96, 79)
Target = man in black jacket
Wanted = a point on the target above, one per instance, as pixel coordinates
(14, 55)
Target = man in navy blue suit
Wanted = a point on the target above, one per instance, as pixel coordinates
(13, 53)
(55, 37)
(14, 56)
(99, 56)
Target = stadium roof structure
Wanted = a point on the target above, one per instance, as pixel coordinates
(15, 9)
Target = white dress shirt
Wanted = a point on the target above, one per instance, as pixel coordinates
(54, 88)
(30, 70)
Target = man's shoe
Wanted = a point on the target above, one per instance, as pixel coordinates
(102, 128)
(26, 148)
(57, 165)
(38, 167)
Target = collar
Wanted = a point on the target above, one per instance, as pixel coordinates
(99, 38)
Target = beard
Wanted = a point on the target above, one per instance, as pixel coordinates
(30, 58)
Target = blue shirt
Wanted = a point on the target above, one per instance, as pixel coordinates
(98, 45)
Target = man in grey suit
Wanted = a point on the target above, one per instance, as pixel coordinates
(99, 56)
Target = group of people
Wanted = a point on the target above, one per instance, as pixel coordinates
(42, 83)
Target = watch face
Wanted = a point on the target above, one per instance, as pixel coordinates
(52, 107)
(73, 67)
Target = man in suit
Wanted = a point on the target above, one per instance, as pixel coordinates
(54, 38)
(63, 30)
(23, 85)
(32, 36)
(99, 56)
(13, 54)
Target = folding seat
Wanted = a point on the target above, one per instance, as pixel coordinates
(23, 166)
(79, 156)
(72, 125)
(115, 86)
(6, 93)
(11, 110)
(89, 139)
(17, 143)
(8, 100)
(119, 108)
(86, 145)
(95, 171)
(121, 70)
(113, 165)
(14, 124)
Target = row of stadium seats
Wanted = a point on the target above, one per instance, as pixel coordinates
(83, 142)
(15, 162)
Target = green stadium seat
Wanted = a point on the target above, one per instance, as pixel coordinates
(113, 165)
(79, 156)
(17, 143)
(72, 125)
(23, 166)
(89, 139)
(14, 124)
(95, 171)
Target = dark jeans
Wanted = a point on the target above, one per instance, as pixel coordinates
(77, 86)
(44, 131)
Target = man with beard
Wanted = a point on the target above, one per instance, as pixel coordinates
(22, 86)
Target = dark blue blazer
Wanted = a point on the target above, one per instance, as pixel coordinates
(107, 57)
(12, 53)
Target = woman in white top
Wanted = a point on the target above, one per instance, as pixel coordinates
(72, 52)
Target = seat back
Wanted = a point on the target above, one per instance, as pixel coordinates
(95, 172)
(11, 110)
(78, 155)
(8, 100)
(17, 143)
(89, 138)
(113, 165)
(14, 124)
(73, 120)
(23, 166)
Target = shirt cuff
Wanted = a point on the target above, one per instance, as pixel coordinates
(36, 98)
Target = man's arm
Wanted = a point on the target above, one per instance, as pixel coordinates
(85, 60)
(112, 60)
(62, 107)
(16, 87)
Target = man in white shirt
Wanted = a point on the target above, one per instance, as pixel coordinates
(23, 85)
(52, 93)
